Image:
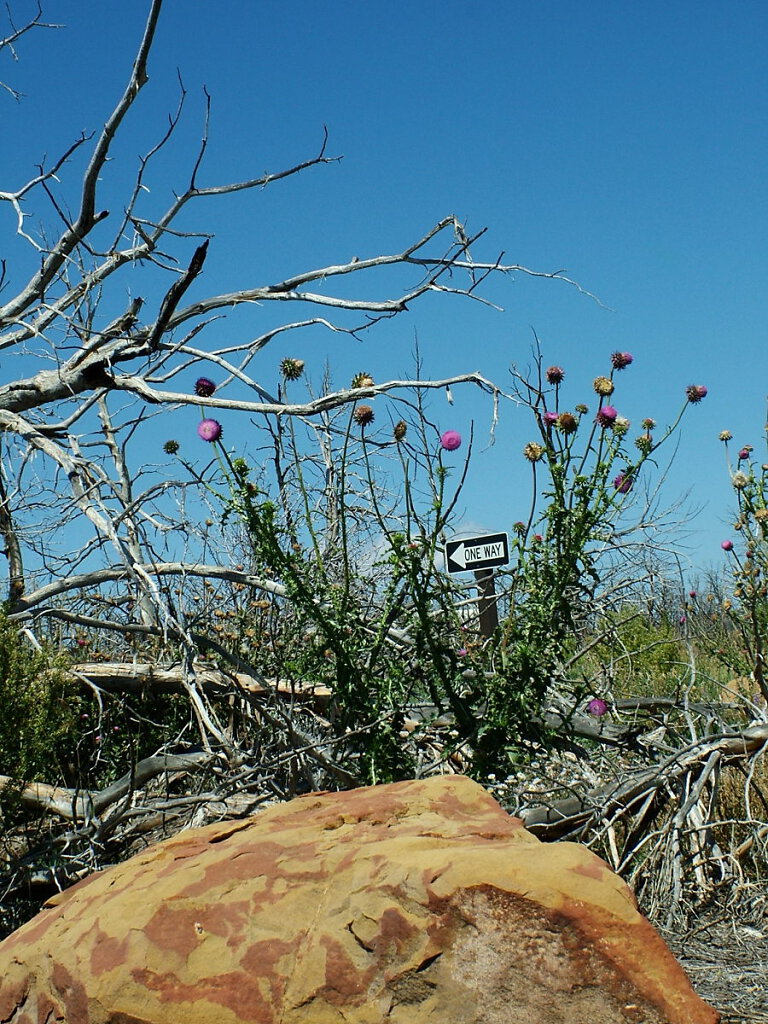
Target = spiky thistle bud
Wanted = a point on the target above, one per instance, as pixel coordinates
(363, 415)
(292, 369)
(204, 387)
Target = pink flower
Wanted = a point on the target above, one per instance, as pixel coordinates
(727, 545)
(606, 416)
(683, 620)
(462, 652)
(450, 440)
(597, 707)
(620, 360)
(623, 483)
(555, 374)
(744, 453)
(209, 430)
(692, 594)
(696, 392)
(550, 418)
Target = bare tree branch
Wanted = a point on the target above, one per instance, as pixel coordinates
(7, 43)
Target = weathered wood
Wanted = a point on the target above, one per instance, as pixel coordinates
(565, 817)
(120, 677)
(78, 804)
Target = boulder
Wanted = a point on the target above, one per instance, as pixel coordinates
(416, 903)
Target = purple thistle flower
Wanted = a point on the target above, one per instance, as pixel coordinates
(597, 707)
(606, 416)
(555, 374)
(744, 453)
(204, 387)
(450, 440)
(695, 393)
(620, 360)
(727, 545)
(209, 430)
(623, 483)
(549, 418)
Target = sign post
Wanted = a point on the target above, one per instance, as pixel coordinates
(487, 608)
(480, 555)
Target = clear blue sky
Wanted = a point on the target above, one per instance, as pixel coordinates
(624, 143)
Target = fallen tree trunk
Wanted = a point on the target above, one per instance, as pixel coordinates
(128, 677)
(82, 805)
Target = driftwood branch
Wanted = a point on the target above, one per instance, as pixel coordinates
(573, 815)
(76, 805)
(119, 677)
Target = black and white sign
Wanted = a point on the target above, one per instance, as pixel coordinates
(472, 553)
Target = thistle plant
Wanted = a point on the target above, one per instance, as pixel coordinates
(383, 631)
(585, 465)
(379, 631)
(748, 560)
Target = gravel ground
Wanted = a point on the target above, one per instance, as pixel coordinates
(725, 954)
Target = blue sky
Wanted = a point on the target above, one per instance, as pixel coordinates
(624, 144)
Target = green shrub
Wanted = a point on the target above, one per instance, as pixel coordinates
(40, 710)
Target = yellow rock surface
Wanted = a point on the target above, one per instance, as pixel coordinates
(417, 903)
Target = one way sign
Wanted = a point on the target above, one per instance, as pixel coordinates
(472, 553)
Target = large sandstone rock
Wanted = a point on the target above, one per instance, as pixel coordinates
(417, 903)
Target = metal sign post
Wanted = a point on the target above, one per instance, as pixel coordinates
(487, 607)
